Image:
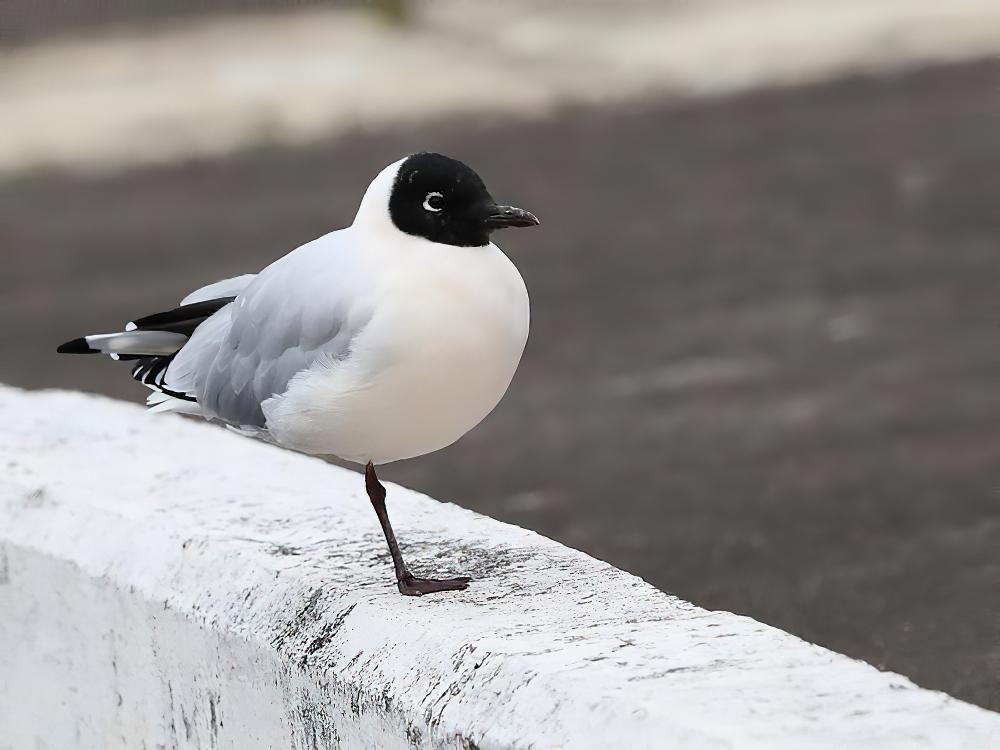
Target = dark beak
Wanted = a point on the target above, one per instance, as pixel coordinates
(509, 216)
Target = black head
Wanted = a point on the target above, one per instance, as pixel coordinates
(443, 200)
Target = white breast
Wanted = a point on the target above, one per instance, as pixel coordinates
(447, 334)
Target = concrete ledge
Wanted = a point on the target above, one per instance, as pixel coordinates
(168, 584)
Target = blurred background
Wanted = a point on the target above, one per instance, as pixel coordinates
(763, 366)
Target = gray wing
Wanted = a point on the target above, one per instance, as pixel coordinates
(302, 309)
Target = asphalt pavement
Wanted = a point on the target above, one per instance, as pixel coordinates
(763, 365)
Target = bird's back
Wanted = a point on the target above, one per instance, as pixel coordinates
(304, 307)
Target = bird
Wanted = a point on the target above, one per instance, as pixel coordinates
(382, 341)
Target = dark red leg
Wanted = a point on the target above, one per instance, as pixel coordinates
(408, 584)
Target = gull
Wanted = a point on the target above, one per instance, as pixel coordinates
(383, 341)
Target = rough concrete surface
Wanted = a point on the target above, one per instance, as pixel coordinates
(762, 372)
(171, 584)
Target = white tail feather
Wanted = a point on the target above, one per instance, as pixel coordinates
(161, 403)
(152, 343)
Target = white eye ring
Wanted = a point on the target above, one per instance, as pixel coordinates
(427, 202)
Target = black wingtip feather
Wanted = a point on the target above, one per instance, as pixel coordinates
(183, 319)
(77, 346)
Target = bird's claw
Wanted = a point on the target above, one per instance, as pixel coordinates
(412, 586)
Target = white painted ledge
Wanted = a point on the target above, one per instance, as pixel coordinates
(166, 584)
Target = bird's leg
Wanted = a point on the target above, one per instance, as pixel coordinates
(408, 584)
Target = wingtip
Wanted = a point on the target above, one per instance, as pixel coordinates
(77, 346)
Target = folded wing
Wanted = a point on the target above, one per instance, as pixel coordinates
(304, 308)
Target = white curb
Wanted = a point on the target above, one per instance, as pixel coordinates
(164, 583)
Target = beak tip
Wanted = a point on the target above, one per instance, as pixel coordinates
(511, 216)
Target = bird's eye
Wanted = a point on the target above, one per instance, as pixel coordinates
(434, 202)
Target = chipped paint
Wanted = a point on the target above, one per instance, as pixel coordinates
(147, 586)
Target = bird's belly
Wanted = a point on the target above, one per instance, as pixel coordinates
(422, 405)
(416, 382)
